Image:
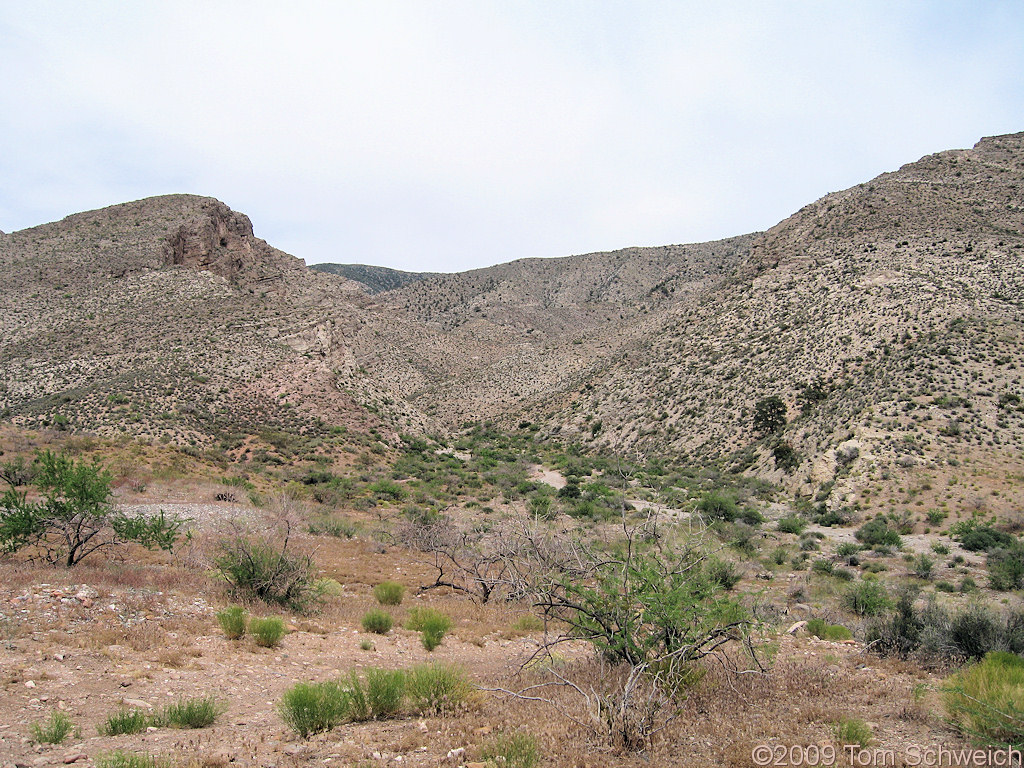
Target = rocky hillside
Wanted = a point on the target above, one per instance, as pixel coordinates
(373, 279)
(886, 317)
(167, 319)
(899, 303)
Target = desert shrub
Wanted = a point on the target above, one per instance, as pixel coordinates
(126, 721)
(358, 703)
(900, 633)
(540, 505)
(922, 567)
(434, 630)
(769, 415)
(387, 489)
(975, 631)
(933, 632)
(518, 750)
(809, 544)
(1006, 567)
(314, 707)
(266, 569)
(792, 524)
(419, 616)
(986, 699)
(377, 621)
(121, 759)
(528, 623)
(851, 730)
(719, 506)
(823, 566)
(389, 593)
(786, 457)
(53, 731)
(844, 574)
(646, 607)
(232, 621)
(190, 713)
(385, 691)
(437, 688)
(976, 537)
(267, 632)
(848, 551)
(723, 572)
(876, 532)
(328, 525)
(75, 515)
(866, 598)
(822, 629)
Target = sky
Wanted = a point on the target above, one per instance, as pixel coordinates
(444, 136)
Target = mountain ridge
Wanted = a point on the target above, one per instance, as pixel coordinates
(895, 298)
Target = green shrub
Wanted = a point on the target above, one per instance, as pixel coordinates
(792, 524)
(847, 550)
(377, 621)
(823, 566)
(719, 506)
(232, 621)
(389, 593)
(314, 707)
(190, 713)
(1006, 568)
(126, 721)
(851, 730)
(518, 750)
(121, 759)
(74, 515)
(876, 533)
(986, 700)
(922, 567)
(54, 731)
(723, 572)
(822, 629)
(981, 538)
(437, 688)
(358, 703)
(385, 691)
(976, 630)
(434, 630)
(329, 525)
(867, 598)
(267, 632)
(267, 570)
(528, 622)
(933, 632)
(419, 616)
(387, 489)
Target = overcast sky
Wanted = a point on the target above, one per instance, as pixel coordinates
(451, 135)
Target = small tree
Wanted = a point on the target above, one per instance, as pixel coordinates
(75, 515)
(769, 415)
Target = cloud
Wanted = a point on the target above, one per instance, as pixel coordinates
(452, 135)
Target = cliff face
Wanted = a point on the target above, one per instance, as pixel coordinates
(221, 241)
